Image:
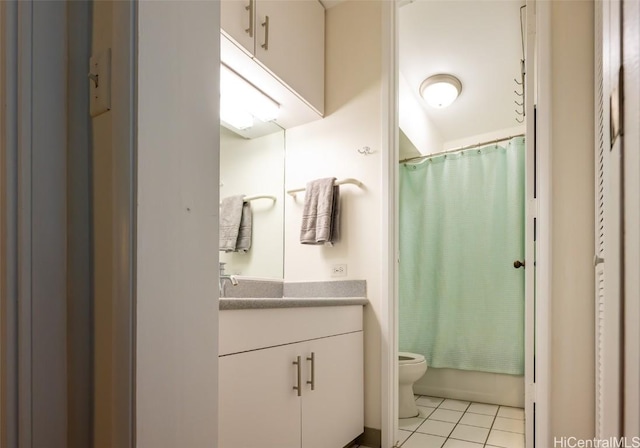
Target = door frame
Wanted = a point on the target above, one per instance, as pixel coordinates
(33, 237)
(538, 317)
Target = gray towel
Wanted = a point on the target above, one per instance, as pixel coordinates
(244, 234)
(335, 217)
(321, 212)
(230, 217)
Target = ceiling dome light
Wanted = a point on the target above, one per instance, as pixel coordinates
(440, 90)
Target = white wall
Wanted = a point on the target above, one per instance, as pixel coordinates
(572, 300)
(328, 148)
(256, 167)
(177, 224)
(414, 121)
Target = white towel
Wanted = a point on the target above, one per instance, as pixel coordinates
(321, 212)
(230, 217)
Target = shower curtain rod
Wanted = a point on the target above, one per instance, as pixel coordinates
(461, 148)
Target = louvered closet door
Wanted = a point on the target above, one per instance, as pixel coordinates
(608, 225)
(631, 62)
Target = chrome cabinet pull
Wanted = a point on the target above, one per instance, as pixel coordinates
(299, 386)
(312, 358)
(265, 45)
(251, 10)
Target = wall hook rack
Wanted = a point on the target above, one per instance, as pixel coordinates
(365, 151)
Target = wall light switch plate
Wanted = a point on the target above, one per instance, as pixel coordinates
(100, 83)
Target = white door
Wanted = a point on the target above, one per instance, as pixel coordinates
(531, 222)
(172, 312)
(332, 413)
(258, 406)
(290, 44)
(236, 21)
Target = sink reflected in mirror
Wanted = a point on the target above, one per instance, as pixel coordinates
(255, 167)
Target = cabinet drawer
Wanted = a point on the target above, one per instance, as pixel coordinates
(252, 329)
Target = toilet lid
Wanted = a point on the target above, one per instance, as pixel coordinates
(410, 358)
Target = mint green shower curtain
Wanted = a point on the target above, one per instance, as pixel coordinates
(461, 229)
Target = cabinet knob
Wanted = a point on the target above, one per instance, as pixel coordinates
(518, 264)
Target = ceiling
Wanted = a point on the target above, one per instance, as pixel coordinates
(477, 41)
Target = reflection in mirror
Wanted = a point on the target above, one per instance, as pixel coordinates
(255, 167)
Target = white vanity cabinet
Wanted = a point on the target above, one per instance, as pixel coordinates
(259, 403)
(286, 37)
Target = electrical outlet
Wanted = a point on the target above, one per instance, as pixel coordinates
(339, 270)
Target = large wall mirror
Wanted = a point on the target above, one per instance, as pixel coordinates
(254, 167)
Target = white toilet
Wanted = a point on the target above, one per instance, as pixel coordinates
(412, 368)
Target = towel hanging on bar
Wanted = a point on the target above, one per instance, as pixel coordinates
(320, 215)
(235, 224)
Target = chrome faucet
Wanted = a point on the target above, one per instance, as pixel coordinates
(223, 277)
(231, 278)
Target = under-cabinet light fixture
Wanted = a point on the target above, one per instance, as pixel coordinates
(241, 101)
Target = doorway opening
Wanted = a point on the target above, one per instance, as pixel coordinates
(478, 343)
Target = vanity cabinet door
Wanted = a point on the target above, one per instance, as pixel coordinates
(333, 413)
(258, 407)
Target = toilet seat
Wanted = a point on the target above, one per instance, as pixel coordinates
(409, 358)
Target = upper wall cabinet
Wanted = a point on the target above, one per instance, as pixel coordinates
(285, 37)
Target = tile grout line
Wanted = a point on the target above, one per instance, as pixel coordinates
(456, 425)
(493, 422)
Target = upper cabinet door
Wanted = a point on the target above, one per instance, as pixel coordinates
(236, 21)
(290, 44)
